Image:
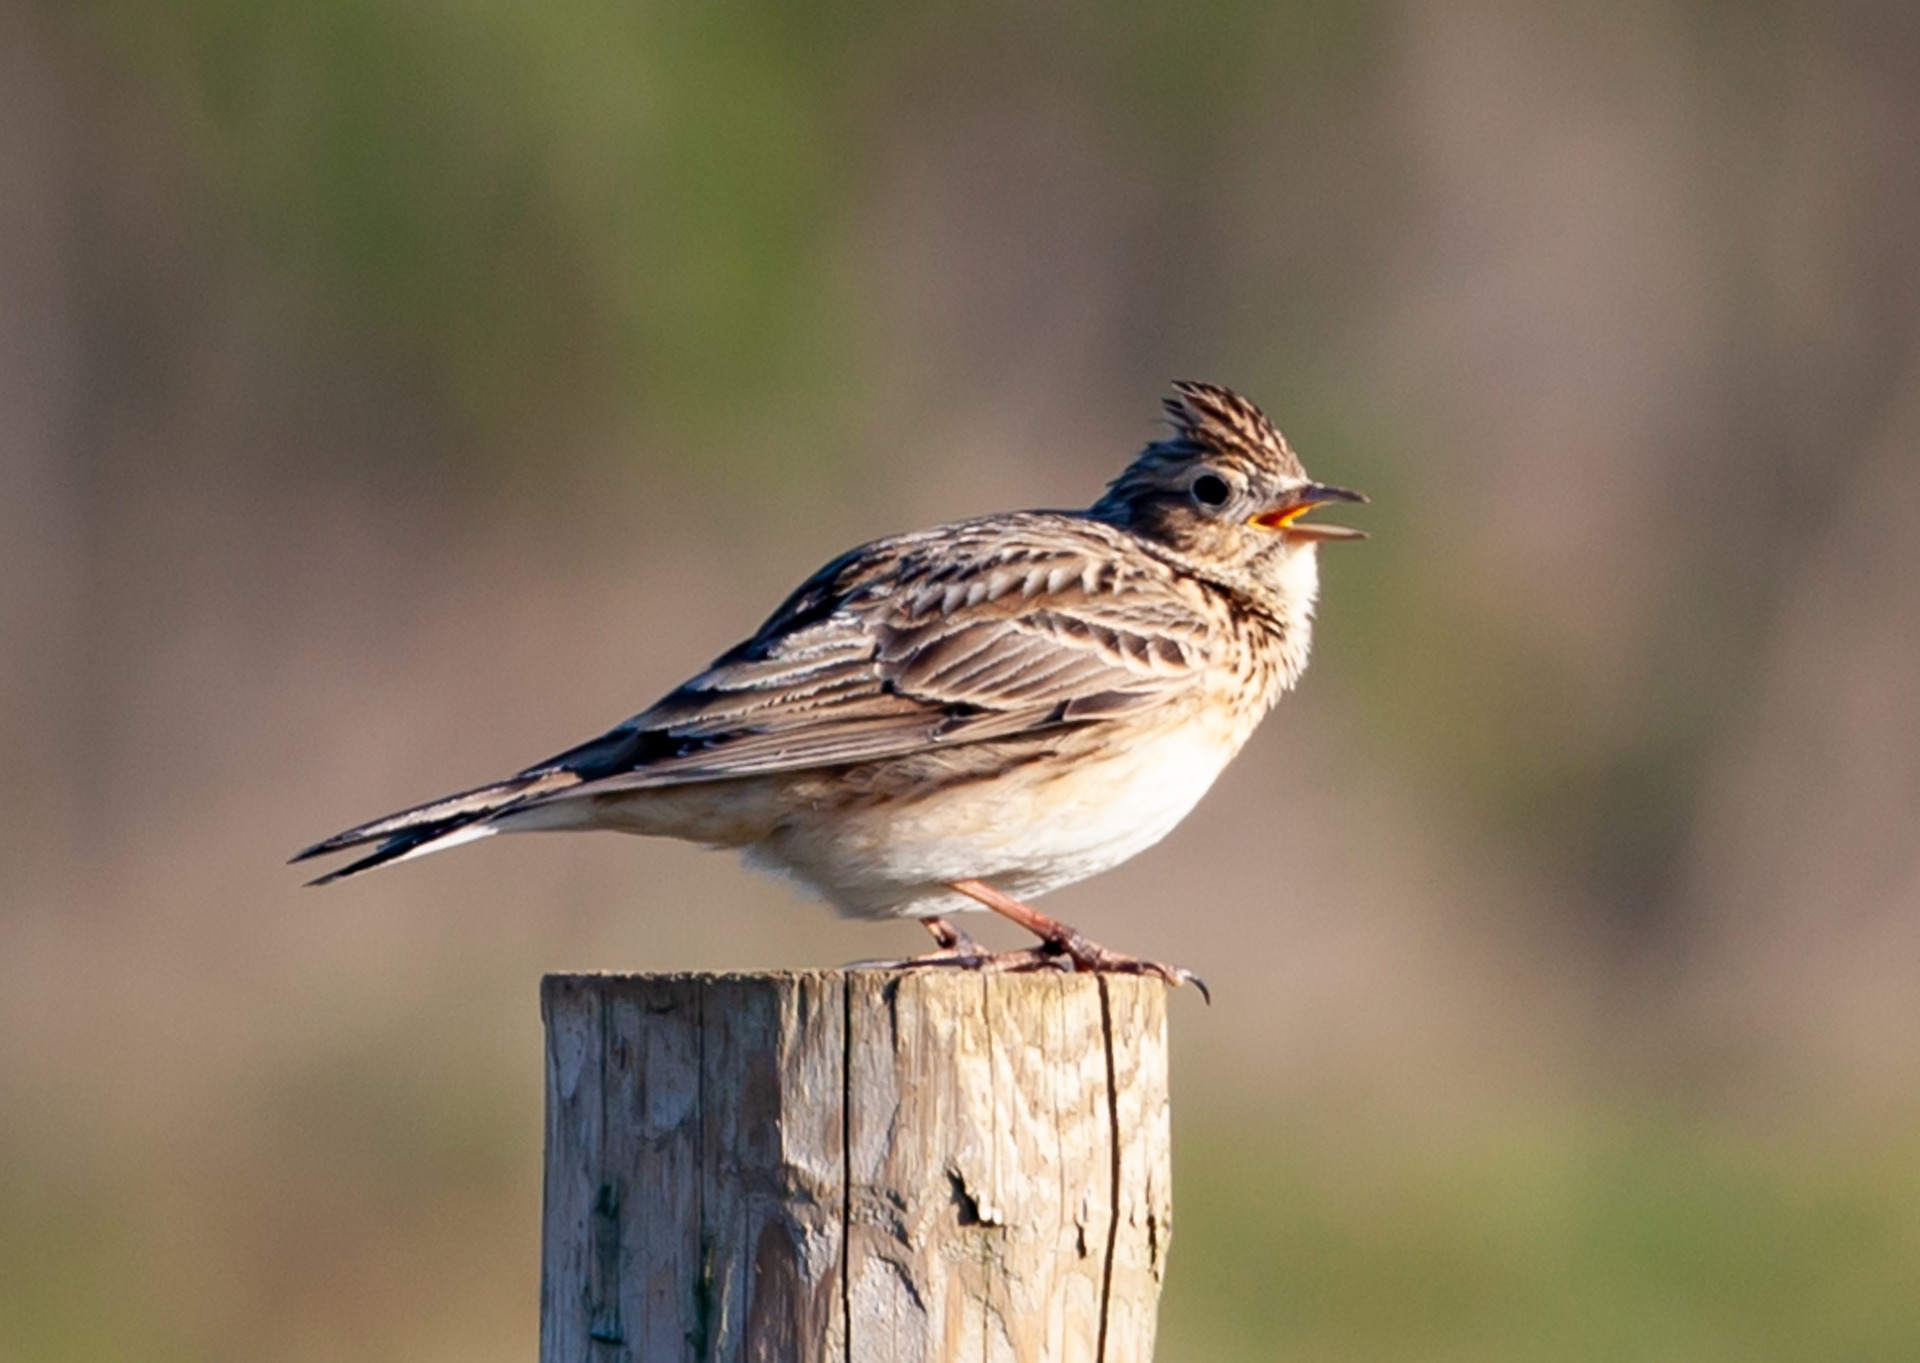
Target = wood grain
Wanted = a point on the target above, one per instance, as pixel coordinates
(855, 1166)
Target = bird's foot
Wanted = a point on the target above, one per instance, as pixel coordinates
(1078, 955)
(956, 950)
(1060, 943)
(1089, 955)
(1060, 948)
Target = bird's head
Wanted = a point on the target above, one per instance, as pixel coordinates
(1228, 495)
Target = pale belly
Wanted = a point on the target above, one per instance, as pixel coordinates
(1026, 832)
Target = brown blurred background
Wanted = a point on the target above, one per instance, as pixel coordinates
(394, 392)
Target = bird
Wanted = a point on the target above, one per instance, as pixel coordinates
(968, 716)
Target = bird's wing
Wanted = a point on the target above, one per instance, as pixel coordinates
(918, 643)
(1007, 629)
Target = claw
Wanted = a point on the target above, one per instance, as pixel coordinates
(1089, 955)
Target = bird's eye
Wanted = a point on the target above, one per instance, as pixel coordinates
(1210, 489)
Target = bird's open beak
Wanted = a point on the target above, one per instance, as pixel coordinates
(1285, 515)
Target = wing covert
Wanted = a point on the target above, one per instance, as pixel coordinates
(902, 647)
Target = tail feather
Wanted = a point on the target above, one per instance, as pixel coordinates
(446, 822)
(414, 843)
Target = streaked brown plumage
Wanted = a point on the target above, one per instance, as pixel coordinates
(972, 714)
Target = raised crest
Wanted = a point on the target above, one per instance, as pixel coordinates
(1210, 418)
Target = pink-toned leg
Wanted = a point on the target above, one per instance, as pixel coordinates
(1057, 940)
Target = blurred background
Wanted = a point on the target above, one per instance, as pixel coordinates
(394, 392)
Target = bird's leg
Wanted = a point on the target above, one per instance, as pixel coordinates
(1058, 940)
(950, 938)
(955, 948)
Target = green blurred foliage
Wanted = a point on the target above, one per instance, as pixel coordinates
(587, 213)
(368, 1198)
(573, 212)
(1603, 1239)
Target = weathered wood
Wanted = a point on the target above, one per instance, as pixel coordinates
(854, 1166)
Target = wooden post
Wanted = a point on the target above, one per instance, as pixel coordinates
(857, 1166)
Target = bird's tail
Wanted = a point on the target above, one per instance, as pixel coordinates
(438, 824)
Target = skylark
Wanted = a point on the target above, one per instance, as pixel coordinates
(972, 715)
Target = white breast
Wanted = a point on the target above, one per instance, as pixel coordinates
(1031, 831)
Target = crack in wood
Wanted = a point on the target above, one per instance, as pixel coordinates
(1113, 1170)
(604, 1290)
(846, 1168)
